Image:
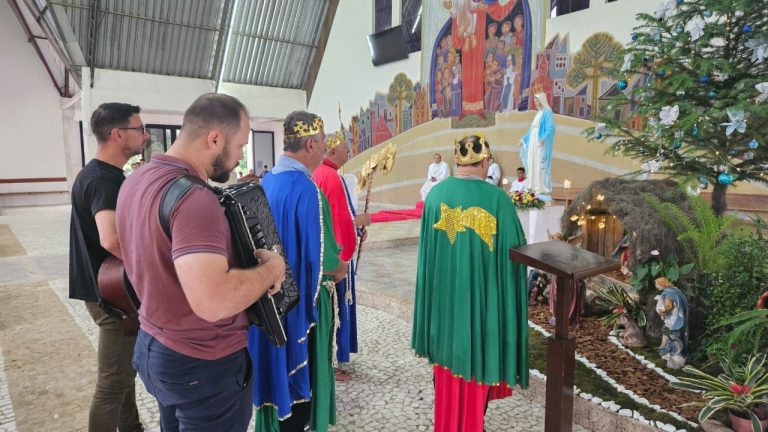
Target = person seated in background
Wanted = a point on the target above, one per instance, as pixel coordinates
(519, 183)
(438, 171)
(264, 171)
(494, 173)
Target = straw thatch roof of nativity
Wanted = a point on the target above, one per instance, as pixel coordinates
(623, 199)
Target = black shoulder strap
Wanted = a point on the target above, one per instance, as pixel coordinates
(173, 193)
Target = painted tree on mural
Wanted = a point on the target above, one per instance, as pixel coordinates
(592, 62)
(704, 107)
(400, 92)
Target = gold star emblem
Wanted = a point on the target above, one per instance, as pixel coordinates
(454, 221)
(450, 221)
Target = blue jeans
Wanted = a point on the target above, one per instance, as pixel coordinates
(195, 394)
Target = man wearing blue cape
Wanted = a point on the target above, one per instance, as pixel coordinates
(536, 150)
(294, 384)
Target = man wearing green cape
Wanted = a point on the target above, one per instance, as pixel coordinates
(470, 313)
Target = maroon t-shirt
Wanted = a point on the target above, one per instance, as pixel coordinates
(197, 225)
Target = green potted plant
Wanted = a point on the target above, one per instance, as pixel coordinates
(739, 389)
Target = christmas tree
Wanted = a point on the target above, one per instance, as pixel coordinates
(694, 84)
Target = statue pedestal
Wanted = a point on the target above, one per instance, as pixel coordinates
(538, 222)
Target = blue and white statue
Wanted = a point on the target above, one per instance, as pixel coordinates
(536, 150)
(672, 307)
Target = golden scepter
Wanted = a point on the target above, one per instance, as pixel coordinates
(380, 161)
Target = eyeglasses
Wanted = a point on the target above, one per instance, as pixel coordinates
(140, 129)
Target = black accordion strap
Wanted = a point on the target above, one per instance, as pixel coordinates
(173, 193)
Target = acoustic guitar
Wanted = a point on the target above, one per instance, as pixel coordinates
(117, 293)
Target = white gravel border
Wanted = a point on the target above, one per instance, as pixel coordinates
(613, 406)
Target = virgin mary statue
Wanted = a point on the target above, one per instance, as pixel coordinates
(536, 150)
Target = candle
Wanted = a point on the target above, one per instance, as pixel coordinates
(566, 184)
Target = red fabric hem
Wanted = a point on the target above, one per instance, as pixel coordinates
(460, 404)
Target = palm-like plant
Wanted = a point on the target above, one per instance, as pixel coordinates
(738, 389)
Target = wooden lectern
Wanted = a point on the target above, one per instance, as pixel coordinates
(568, 263)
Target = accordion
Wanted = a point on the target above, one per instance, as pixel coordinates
(252, 226)
(250, 220)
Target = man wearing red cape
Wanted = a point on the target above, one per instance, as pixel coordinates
(468, 34)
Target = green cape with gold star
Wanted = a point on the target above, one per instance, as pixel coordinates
(471, 311)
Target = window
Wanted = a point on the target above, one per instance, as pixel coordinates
(411, 22)
(562, 7)
(161, 137)
(561, 61)
(382, 15)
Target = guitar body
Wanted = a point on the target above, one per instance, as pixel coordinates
(116, 291)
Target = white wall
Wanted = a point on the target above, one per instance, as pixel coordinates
(30, 113)
(616, 18)
(347, 76)
(163, 99)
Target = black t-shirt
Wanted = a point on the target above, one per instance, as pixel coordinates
(95, 189)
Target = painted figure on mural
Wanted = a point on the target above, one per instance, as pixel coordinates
(446, 89)
(456, 85)
(439, 93)
(536, 149)
(494, 76)
(519, 41)
(510, 77)
(493, 41)
(465, 15)
(506, 41)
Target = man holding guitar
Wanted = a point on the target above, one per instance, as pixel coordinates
(93, 239)
(191, 349)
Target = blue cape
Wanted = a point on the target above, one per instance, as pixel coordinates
(281, 374)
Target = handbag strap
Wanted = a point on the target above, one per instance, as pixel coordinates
(172, 195)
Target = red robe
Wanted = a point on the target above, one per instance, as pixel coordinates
(327, 178)
(473, 57)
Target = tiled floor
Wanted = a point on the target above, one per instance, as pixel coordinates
(47, 342)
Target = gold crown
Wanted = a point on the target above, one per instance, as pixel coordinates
(335, 140)
(468, 144)
(301, 129)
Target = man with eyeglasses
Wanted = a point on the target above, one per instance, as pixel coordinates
(93, 238)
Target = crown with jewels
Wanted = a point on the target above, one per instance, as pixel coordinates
(335, 140)
(301, 129)
(472, 149)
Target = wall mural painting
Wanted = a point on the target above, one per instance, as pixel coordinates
(388, 114)
(481, 62)
(576, 84)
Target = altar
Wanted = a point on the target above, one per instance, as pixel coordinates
(538, 223)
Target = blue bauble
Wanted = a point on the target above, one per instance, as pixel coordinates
(733, 153)
(753, 144)
(679, 29)
(622, 84)
(676, 145)
(634, 36)
(641, 151)
(707, 14)
(711, 94)
(704, 184)
(680, 2)
(695, 131)
(747, 28)
(598, 135)
(725, 178)
(704, 79)
(660, 73)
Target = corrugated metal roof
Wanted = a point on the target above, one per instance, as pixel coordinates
(166, 37)
(271, 44)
